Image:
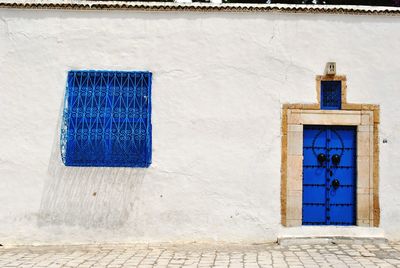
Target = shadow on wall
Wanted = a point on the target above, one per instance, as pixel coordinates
(89, 197)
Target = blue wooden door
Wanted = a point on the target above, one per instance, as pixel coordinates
(329, 175)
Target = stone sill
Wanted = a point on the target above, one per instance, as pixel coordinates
(330, 234)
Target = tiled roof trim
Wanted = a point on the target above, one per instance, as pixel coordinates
(200, 7)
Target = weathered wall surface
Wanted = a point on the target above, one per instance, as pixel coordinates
(219, 80)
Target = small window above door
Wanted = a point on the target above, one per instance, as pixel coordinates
(331, 95)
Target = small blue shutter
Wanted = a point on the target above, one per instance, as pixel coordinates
(331, 95)
(107, 119)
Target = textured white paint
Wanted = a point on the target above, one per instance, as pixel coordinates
(219, 80)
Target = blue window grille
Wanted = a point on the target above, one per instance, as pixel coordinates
(107, 119)
(331, 95)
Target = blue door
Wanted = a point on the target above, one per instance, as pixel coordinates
(329, 175)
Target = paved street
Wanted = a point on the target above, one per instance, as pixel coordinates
(201, 255)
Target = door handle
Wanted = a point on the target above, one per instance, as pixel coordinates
(321, 158)
(335, 159)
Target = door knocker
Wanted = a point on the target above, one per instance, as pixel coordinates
(321, 158)
(335, 184)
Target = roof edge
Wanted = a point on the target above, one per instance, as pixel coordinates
(200, 7)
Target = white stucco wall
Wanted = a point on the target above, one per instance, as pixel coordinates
(219, 80)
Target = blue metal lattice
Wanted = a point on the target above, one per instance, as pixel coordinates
(331, 95)
(107, 119)
(324, 204)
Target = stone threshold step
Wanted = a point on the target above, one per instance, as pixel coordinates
(291, 241)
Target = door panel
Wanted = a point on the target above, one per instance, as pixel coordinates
(329, 175)
(342, 215)
(314, 195)
(344, 175)
(314, 176)
(342, 195)
(316, 215)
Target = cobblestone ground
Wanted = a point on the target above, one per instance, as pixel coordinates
(195, 255)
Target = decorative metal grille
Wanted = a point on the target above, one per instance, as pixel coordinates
(107, 119)
(331, 95)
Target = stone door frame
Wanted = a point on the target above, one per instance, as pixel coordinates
(366, 118)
